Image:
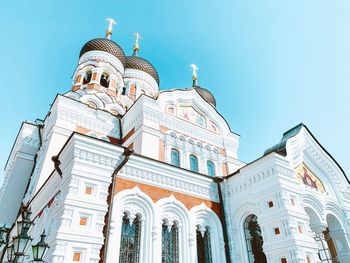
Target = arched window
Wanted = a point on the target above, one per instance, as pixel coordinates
(104, 80)
(204, 246)
(87, 77)
(92, 105)
(170, 243)
(132, 91)
(211, 168)
(124, 91)
(175, 157)
(254, 240)
(193, 163)
(130, 240)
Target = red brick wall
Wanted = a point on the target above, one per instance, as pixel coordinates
(156, 193)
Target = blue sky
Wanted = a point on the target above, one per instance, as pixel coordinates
(270, 64)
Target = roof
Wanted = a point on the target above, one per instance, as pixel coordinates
(205, 94)
(281, 146)
(136, 62)
(106, 45)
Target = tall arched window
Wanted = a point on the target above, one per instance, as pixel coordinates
(211, 168)
(204, 246)
(87, 77)
(124, 91)
(254, 240)
(170, 243)
(132, 91)
(104, 80)
(130, 240)
(175, 157)
(193, 163)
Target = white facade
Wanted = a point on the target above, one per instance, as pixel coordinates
(63, 167)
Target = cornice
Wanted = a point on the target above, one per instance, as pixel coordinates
(135, 74)
(254, 174)
(172, 123)
(101, 56)
(160, 175)
(75, 114)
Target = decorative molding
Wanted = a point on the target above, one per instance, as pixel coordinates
(95, 158)
(32, 141)
(168, 181)
(179, 125)
(103, 57)
(135, 74)
(35, 175)
(247, 181)
(75, 113)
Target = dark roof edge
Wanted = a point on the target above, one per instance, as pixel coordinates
(280, 147)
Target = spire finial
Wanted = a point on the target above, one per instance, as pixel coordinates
(194, 74)
(109, 31)
(136, 44)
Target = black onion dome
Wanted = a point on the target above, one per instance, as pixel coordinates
(106, 45)
(206, 95)
(135, 62)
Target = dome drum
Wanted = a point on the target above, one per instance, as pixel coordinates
(134, 62)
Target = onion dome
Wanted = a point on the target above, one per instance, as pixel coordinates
(135, 62)
(205, 94)
(106, 45)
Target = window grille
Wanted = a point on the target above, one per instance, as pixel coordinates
(254, 240)
(204, 254)
(324, 253)
(170, 243)
(130, 240)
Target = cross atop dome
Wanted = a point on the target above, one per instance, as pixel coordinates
(136, 44)
(109, 31)
(194, 74)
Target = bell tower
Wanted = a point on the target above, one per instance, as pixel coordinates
(98, 79)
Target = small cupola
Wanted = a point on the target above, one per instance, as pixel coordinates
(204, 93)
(140, 75)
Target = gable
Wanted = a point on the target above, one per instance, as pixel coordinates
(189, 106)
(303, 150)
(190, 113)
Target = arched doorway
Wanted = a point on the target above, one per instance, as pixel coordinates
(318, 233)
(254, 240)
(336, 239)
(329, 237)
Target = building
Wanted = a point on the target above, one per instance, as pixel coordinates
(119, 171)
